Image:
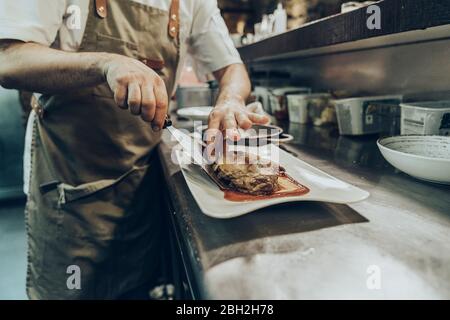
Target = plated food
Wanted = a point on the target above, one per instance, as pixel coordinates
(245, 176)
(244, 173)
(219, 201)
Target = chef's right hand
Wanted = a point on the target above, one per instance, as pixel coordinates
(138, 88)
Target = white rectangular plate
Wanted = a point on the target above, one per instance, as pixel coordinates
(323, 187)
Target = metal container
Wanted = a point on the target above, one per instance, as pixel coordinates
(194, 96)
(366, 115)
(425, 118)
(277, 100)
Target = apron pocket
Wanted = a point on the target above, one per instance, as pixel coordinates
(95, 210)
(107, 43)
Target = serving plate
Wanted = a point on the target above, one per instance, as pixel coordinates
(258, 135)
(322, 186)
(423, 157)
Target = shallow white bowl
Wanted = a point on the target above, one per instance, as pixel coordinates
(423, 157)
(195, 113)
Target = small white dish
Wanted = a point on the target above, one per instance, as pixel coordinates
(195, 113)
(322, 186)
(423, 157)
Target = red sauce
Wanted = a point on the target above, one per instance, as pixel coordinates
(288, 188)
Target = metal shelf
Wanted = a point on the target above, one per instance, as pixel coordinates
(397, 16)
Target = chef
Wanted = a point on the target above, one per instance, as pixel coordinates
(103, 72)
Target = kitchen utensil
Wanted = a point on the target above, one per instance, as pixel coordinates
(360, 116)
(323, 187)
(423, 157)
(194, 96)
(191, 147)
(426, 118)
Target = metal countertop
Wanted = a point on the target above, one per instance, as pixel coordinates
(396, 244)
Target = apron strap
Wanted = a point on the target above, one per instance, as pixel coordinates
(174, 19)
(101, 7)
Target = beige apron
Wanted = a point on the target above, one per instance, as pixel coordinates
(93, 203)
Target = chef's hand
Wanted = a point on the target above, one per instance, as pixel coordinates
(231, 114)
(138, 88)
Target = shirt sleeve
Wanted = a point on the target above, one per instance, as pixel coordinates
(31, 21)
(209, 41)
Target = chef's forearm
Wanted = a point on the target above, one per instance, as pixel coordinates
(234, 84)
(33, 67)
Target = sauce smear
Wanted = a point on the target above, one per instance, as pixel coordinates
(288, 188)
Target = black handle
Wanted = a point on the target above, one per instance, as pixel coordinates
(167, 122)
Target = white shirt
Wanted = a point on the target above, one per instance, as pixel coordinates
(203, 32)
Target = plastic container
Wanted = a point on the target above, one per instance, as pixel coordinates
(280, 16)
(425, 118)
(298, 108)
(262, 94)
(278, 100)
(306, 108)
(365, 115)
(353, 5)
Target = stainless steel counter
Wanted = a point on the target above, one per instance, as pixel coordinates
(396, 244)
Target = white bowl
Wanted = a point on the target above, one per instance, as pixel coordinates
(423, 157)
(195, 113)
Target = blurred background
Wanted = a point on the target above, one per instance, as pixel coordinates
(299, 79)
(241, 15)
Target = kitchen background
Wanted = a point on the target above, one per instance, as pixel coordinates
(335, 86)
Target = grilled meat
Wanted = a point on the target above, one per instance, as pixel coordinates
(247, 173)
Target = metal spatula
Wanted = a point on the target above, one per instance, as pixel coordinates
(188, 143)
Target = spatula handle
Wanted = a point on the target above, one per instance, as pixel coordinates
(167, 122)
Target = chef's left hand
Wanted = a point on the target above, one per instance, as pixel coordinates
(231, 114)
